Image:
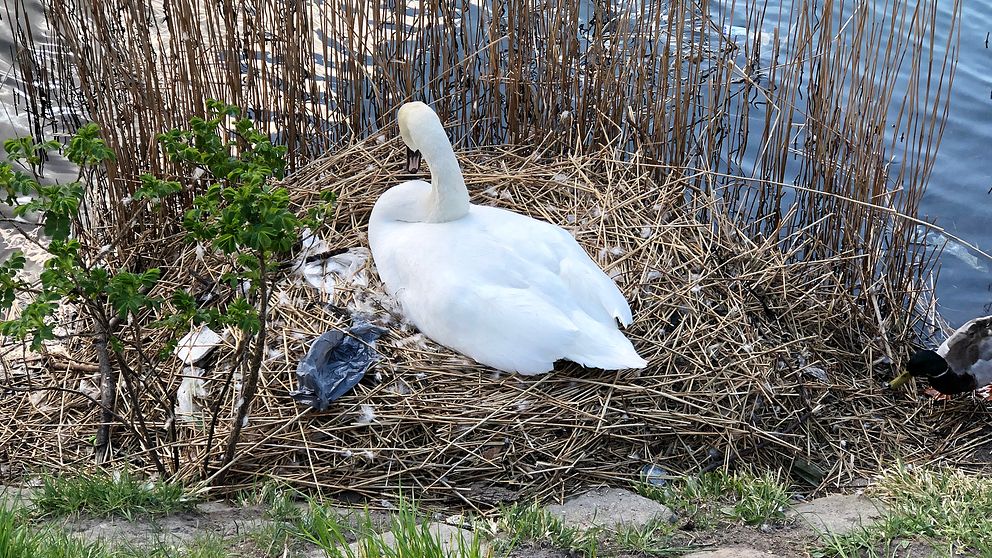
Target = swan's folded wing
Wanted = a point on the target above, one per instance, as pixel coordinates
(508, 328)
(593, 289)
(558, 252)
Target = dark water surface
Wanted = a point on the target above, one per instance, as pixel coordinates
(956, 200)
(958, 197)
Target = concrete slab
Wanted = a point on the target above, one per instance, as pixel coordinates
(609, 508)
(838, 513)
(450, 537)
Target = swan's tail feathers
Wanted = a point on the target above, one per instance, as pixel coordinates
(609, 350)
(623, 316)
(617, 361)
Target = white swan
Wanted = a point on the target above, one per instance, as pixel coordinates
(509, 291)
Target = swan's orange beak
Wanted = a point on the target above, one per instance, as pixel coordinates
(412, 161)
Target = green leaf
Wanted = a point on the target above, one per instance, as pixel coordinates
(21, 149)
(86, 148)
(125, 291)
(10, 285)
(60, 205)
(183, 301)
(226, 242)
(33, 321)
(95, 283)
(155, 189)
(244, 316)
(57, 225)
(15, 183)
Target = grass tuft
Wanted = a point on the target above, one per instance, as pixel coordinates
(280, 502)
(411, 539)
(122, 495)
(207, 546)
(530, 523)
(947, 510)
(15, 540)
(19, 540)
(326, 529)
(760, 498)
(716, 497)
(275, 539)
(521, 525)
(654, 539)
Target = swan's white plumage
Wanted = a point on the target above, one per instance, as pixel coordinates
(509, 291)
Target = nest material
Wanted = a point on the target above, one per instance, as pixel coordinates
(753, 359)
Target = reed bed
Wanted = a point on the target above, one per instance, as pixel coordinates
(749, 176)
(754, 359)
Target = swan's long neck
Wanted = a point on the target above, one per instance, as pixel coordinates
(422, 131)
(448, 199)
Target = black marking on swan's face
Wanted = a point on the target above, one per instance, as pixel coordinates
(412, 161)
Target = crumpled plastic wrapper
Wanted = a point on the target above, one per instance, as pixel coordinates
(334, 364)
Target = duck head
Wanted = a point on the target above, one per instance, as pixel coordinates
(930, 365)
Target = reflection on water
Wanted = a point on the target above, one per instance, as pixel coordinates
(953, 250)
(14, 122)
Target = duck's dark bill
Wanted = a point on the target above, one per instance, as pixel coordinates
(900, 380)
(412, 160)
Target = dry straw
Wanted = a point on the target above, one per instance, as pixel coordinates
(740, 187)
(754, 359)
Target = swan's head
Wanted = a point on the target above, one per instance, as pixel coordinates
(406, 118)
(422, 133)
(415, 120)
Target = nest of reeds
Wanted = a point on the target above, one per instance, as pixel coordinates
(754, 357)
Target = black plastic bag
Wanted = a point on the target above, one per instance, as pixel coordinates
(334, 364)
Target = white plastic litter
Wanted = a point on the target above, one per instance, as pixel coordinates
(325, 274)
(190, 390)
(196, 344)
